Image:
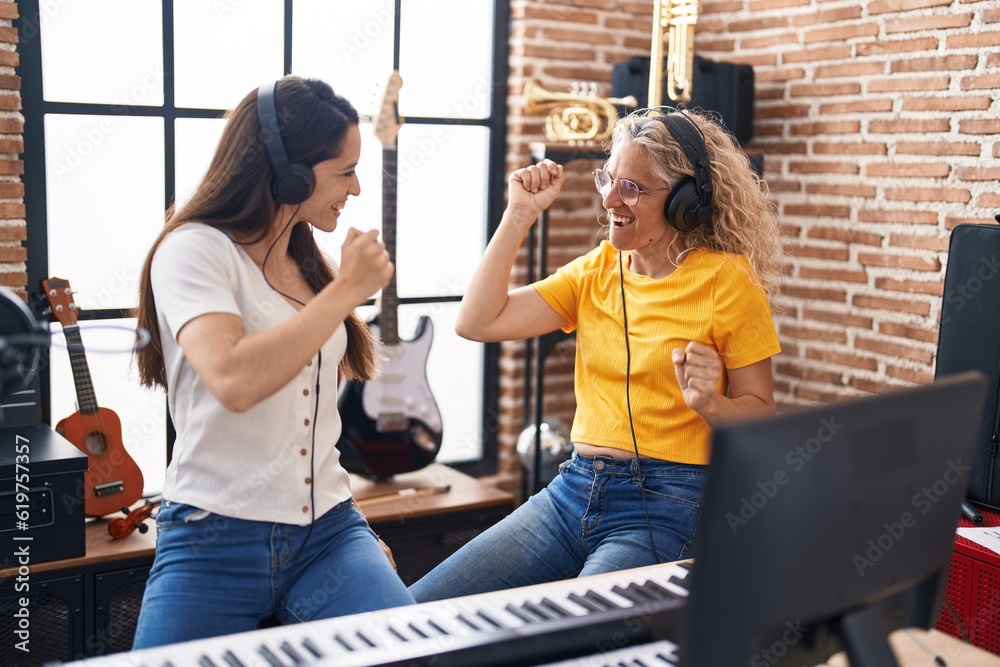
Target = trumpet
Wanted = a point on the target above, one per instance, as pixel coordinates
(677, 18)
(575, 116)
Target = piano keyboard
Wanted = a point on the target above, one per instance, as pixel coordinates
(661, 653)
(532, 625)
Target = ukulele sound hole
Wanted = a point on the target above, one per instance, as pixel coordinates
(96, 443)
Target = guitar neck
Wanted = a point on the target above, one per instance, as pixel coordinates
(85, 397)
(388, 323)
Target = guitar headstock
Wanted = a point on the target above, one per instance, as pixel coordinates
(60, 298)
(388, 121)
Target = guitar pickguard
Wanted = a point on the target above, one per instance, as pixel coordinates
(400, 392)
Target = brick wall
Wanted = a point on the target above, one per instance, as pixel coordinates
(12, 225)
(878, 122)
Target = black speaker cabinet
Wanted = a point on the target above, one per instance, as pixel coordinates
(41, 620)
(70, 614)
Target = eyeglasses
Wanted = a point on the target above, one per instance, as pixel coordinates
(627, 190)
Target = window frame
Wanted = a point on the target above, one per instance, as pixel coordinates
(35, 108)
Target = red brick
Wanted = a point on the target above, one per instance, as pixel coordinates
(893, 349)
(928, 194)
(924, 242)
(769, 40)
(826, 16)
(910, 125)
(8, 10)
(978, 173)
(817, 252)
(910, 375)
(12, 211)
(849, 148)
(799, 332)
(896, 46)
(856, 106)
(826, 127)
(898, 215)
(817, 167)
(13, 254)
(908, 331)
(818, 210)
(841, 33)
(14, 279)
(979, 126)
(980, 82)
(934, 288)
(808, 373)
(840, 52)
(927, 23)
(842, 189)
(976, 39)
(908, 170)
(845, 235)
(846, 319)
(842, 358)
(901, 84)
(899, 261)
(820, 294)
(892, 6)
(825, 89)
(833, 275)
(947, 103)
(950, 222)
(15, 232)
(938, 148)
(897, 305)
(850, 69)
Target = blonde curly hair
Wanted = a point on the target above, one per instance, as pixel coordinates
(743, 219)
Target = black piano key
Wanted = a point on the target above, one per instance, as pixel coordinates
(597, 598)
(523, 615)
(396, 633)
(365, 639)
(270, 657)
(584, 602)
(232, 660)
(343, 642)
(538, 611)
(437, 627)
(290, 651)
(205, 661)
(489, 619)
(659, 591)
(417, 631)
(634, 593)
(554, 608)
(463, 619)
(310, 646)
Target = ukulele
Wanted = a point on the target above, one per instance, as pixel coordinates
(391, 424)
(113, 480)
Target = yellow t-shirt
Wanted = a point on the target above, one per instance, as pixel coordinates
(710, 298)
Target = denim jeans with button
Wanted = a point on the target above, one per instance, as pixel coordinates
(588, 520)
(214, 575)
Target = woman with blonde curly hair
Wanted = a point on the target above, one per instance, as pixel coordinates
(683, 280)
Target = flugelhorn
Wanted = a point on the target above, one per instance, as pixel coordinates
(576, 116)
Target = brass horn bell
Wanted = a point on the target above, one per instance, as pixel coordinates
(573, 116)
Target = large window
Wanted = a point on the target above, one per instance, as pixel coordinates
(123, 102)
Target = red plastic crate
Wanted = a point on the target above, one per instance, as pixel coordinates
(972, 608)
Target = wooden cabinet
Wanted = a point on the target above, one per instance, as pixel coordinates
(81, 607)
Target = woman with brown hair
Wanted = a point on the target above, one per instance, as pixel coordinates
(250, 326)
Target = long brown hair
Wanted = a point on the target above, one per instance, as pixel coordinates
(235, 197)
(743, 219)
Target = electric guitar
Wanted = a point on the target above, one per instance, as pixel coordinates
(392, 423)
(113, 480)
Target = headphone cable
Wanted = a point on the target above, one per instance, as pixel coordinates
(628, 404)
(319, 368)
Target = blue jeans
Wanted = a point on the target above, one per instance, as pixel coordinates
(215, 575)
(588, 520)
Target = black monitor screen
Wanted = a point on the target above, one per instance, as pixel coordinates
(828, 528)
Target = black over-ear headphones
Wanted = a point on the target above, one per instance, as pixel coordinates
(689, 203)
(293, 182)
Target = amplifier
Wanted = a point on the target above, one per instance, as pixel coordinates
(725, 88)
(41, 497)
